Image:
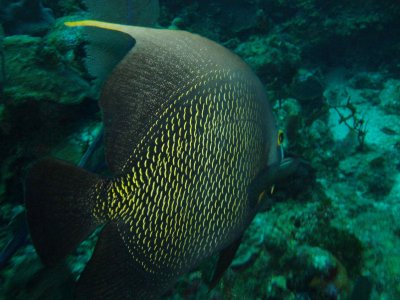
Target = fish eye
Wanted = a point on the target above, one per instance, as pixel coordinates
(281, 137)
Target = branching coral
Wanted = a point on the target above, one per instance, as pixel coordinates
(353, 121)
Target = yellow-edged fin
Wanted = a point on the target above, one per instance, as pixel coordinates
(106, 48)
(100, 24)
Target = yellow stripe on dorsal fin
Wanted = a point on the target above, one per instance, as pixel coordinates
(100, 24)
(108, 45)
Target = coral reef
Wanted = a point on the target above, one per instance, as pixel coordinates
(273, 57)
(331, 70)
(25, 17)
(390, 96)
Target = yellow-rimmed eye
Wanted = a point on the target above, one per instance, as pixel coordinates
(280, 137)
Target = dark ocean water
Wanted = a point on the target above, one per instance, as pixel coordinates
(331, 72)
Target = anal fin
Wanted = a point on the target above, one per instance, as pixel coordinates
(112, 272)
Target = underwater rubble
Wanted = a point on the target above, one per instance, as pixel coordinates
(332, 73)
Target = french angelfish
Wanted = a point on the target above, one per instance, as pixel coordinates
(193, 148)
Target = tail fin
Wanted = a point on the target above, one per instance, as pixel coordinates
(59, 201)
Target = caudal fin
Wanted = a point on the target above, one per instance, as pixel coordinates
(59, 200)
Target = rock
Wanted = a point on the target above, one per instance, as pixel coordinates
(32, 73)
(308, 87)
(379, 176)
(212, 18)
(390, 96)
(322, 273)
(25, 17)
(276, 288)
(177, 23)
(367, 80)
(273, 57)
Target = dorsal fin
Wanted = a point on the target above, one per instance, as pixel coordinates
(103, 25)
(103, 57)
(105, 50)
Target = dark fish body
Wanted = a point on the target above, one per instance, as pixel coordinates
(188, 131)
(183, 190)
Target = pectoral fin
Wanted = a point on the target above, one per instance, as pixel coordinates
(264, 182)
(226, 257)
